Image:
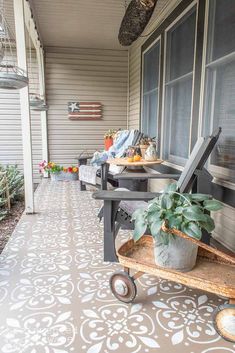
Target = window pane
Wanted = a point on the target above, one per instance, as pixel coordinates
(222, 21)
(181, 101)
(150, 90)
(222, 82)
(151, 68)
(180, 47)
(178, 93)
(219, 106)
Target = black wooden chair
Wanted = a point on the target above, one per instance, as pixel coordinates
(119, 205)
(103, 174)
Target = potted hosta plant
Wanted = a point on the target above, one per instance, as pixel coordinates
(188, 213)
(108, 138)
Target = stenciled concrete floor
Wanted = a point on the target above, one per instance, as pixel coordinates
(55, 297)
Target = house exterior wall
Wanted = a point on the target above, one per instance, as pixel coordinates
(224, 220)
(10, 128)
(74, 75)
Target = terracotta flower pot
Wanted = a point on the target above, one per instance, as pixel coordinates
(108, 142)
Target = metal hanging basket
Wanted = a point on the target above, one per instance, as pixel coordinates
(35, 100)
(12, 77)
(41, 108)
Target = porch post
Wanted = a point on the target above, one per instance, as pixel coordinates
(40, 58)
(25, 108)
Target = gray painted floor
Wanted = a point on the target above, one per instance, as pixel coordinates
(55, 297)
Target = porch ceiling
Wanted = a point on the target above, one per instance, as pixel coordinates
(79, 23)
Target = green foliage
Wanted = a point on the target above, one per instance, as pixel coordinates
(11, 187)
(188, 213)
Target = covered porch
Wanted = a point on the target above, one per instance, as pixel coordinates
(174, 83)
(55, 295)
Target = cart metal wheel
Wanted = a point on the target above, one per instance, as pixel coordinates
(224, 321)
(123, 286)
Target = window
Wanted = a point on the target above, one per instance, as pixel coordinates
(179, 56)
(219, 100)
(151, 61)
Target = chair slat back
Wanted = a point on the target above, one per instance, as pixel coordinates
(197, 160)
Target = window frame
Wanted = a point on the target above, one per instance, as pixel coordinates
(157, 40)
(178, 160)
(218, 172)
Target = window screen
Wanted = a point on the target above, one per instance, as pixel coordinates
(178, 88)
(219, 102)
(151, 61)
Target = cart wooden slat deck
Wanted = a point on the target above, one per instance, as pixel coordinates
(209, 274)
(214, 272)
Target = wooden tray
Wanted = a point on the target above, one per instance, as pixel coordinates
(212, 272)
(124, 162)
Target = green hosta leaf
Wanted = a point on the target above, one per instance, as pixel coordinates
(153, 207)
(193, 230)
(200, 197)
(212, 205)
(179, 210)
(154, 216)
(164, 237)
(166, 201)
(174, 221)
(209, 225)
(171, 188)
(156, 227)
(185, 199)
(194, 213)
(138, 214)
(140, 228)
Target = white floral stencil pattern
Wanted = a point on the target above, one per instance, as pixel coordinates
(55, 295)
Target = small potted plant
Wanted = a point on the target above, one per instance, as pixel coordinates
(108, 138)
(188, 213)
(144, 144)
(57, 172)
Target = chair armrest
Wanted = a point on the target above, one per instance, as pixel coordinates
(141, 176)
(124, 195)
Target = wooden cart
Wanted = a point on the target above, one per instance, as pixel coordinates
(214, 272)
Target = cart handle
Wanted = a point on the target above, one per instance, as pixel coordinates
(209, 248)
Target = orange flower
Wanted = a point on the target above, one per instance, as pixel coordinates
(75, 169)
(65, 169)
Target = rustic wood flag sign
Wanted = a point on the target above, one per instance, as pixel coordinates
(84, 110)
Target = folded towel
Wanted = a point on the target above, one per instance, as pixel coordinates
(87, 173)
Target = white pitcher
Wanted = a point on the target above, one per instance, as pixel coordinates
(151, 152)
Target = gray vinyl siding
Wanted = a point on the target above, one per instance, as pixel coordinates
(84, 75)
(224, 220)
(10, 129)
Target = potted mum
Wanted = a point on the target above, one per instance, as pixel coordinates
(108, 138)
(188, 213)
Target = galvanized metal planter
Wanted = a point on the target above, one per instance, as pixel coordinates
(62, 176)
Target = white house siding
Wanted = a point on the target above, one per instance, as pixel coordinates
(10, 129)
(74, 75)
(224, 220)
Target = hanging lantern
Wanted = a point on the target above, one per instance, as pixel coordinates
(41, 108)
(11, 76)
(35, 100)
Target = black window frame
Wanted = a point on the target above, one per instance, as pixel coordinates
(219, 190)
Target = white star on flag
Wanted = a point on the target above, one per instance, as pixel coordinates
(73, 106)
